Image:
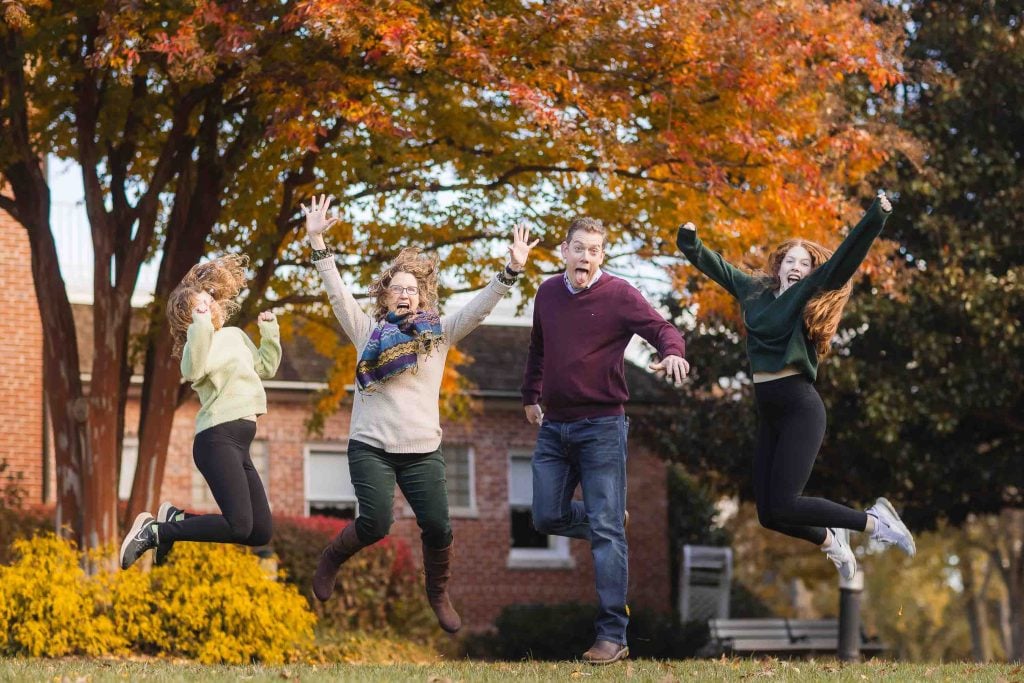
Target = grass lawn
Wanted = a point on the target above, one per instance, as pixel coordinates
(83, 670)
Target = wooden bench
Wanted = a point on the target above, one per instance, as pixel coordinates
(794, 637)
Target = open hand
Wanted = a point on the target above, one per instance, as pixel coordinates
(521, 246)
(672, 368)
(316, 215)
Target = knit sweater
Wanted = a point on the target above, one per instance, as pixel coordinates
(575, 362)
(402, 414)
(225, 369)
(776, 337)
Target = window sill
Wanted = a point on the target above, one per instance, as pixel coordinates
(556, 562)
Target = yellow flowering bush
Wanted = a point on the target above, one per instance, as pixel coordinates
(49, 607)
(217, 604)
(211, 602)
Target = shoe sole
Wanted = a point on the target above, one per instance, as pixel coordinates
(140, 521)
(846, 542)
(900, 526)
(163, 513)
(619, 656)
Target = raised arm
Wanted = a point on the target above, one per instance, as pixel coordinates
(198, 340)
(711, 263)
(355, 322)
(267, 358)
(835, 272)
(462, 322)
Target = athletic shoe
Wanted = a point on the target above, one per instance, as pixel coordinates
(141, 537)
(890, 529)
(166, 513)
(841, 554)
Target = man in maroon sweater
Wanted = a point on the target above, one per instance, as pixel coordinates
(582, 322)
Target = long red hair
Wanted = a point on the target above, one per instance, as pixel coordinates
(823, 311)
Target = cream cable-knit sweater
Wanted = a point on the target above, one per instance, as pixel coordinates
(402, 415)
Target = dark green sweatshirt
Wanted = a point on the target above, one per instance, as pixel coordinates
(776, 337)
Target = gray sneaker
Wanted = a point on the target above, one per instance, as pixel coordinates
(841, 554)
(890, 529)
(166, 513)
(140, 538)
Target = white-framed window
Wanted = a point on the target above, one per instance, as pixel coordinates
(530, 549)
(259, 453)
(460, 473)
(329, 489)
(129, 461)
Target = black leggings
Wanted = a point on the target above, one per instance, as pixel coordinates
(791, 428)
(222, 455)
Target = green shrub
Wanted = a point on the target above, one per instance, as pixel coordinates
(557, 632)
(15, 520)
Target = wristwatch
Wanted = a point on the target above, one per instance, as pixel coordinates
(508, 276)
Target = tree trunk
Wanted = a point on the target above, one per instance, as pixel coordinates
(195, 211)
(1010, 557)
(61, 378)
(981, 645)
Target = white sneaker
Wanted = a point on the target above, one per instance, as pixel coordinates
(890, 529)
(841, 554)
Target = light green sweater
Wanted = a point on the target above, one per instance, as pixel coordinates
(225, 369)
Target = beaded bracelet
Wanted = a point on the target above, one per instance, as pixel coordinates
(321, 254)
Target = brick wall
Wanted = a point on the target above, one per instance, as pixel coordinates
(482, 582)
(21, 361)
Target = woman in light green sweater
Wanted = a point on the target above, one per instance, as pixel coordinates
(226, 370)
(395, 428)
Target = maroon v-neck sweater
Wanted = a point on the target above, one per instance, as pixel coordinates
(575, 364)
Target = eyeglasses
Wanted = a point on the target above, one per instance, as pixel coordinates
(398, 291)
(593, 251)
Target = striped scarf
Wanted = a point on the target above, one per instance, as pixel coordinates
(395, 345)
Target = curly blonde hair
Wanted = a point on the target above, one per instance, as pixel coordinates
(222, 278)
(823, 312)
(421, 266)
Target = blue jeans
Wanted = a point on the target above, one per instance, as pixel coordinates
(590, 452)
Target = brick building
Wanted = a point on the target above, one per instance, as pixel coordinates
(499, 559)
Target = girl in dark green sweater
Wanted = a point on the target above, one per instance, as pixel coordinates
(791, 314)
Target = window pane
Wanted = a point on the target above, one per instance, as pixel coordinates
(523, 533)
(260, 455)
(129, 460)
(520, 481)
(457, 472)
(328, 477)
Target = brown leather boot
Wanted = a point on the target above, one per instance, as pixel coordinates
(436, 567)
(343, 546)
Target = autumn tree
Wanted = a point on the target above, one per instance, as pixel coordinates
(925, 391)
(201, 126)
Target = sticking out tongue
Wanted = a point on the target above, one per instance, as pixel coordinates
(580, 277)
